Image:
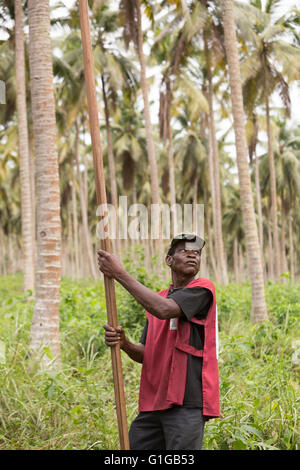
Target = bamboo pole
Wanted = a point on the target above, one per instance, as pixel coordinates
(101, 200)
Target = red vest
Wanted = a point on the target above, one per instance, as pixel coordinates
(164, 368)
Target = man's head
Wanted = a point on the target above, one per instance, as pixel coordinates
(184, 254)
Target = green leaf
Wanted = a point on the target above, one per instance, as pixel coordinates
(286, 275)
(253, 430)
(224, 445)
(239, 445)
(48, 353)
(77, 410)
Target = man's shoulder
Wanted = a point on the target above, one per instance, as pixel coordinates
(163, 292)
(199, 282)
(202, 282)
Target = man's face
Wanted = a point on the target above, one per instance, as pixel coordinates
(185, 259)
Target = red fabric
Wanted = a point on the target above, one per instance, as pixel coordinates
(164, 368)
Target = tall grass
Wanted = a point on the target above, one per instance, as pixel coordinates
(72, 407)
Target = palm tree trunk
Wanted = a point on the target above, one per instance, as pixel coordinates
(45, 325)
(85, 180)
(2, 252)
(172, 178)
(291, 249)
(25, 175)
(148, 124)
(216, 268)
(134, 192)
(241, 263)
(84, 216)
(32, 190)
(255, 269)
(212, 258)
(284, 266)
(235, 260)
(75, 226)
(70, 242)
(167, 133)
(2, 266)
(11, 252)
(111, 167)
(270, 254)
(195, 199)
(259, 209)
(276, 244)
(210, 251)
(216, 174)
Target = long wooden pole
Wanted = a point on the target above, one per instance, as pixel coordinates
(111, 307)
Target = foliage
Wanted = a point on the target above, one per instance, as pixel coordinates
(72, 407)
(257, 379)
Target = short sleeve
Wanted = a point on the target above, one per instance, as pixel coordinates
(144, 333)
(193, 301)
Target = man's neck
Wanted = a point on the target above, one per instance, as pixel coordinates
(181, 281)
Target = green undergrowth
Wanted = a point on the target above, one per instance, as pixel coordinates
(72, 406)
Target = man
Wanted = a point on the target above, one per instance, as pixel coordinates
(179, 387)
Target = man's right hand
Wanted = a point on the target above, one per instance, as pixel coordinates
(114, 336)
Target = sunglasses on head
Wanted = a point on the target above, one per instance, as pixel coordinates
(187, 237)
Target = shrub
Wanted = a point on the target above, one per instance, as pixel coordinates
(73, 407)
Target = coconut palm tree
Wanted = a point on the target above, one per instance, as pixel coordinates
(116, 72)
(233, 223)
(45, 325)
(251, 104)
(259, 310)
(28, 232)
(132, 12)
(287, 159)
(201, 23)
(114, 69)
(213, 53)
(190, 152)
(71, 105)
(271, 62)
(129, 141)
(7, 75)
(176, 94)
(9, 201)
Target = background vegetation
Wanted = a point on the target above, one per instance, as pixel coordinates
(189, 94)
(72, 407)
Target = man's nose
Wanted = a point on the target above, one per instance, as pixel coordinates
(191, 253)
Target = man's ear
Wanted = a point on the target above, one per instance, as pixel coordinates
(168, 260)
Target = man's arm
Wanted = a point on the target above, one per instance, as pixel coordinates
(114, 336)
(158, 306)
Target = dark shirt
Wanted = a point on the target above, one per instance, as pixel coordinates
(193, 301)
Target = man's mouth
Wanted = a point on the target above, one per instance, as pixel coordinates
(191, 263)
